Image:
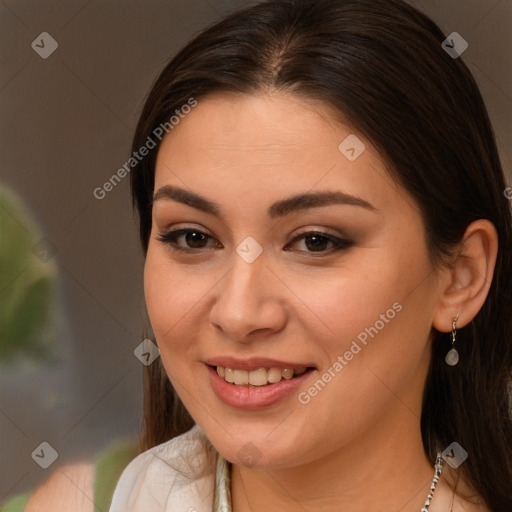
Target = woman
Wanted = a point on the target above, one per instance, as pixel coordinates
(328, 254)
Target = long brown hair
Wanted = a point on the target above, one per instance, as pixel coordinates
(381, 64)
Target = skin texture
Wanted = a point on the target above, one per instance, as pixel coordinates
(358, 441)
(68, 488)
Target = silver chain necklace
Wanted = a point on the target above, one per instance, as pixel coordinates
(438, 467)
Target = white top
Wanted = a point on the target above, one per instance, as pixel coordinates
(176, 476)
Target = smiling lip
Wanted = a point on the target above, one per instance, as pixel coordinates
(254, 363)
(249, 397)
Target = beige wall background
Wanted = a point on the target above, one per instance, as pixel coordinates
(66, 127)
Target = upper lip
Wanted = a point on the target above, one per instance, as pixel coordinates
(254, 363)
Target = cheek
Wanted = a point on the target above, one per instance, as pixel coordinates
(350, 300)
(170, 302)
(159, 292)
(170, 298)
(373, 312)
(169, 294)
(177, 300)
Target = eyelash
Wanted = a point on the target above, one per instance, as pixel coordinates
(171, 237)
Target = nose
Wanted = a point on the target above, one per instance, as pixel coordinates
(249, 303)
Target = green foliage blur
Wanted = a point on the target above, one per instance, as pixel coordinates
(27, 286)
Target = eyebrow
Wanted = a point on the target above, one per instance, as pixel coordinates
(278, 209)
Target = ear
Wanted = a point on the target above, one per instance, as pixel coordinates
(465, 283)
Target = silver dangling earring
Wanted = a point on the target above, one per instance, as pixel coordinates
(452, 358)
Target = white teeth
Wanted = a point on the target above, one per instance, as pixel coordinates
(259, 377)
(229, 375)
(288, 373)
(241, 377)
(274, 375)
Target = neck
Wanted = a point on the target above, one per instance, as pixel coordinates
(382, 470)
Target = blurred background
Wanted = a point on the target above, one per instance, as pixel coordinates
(71, 298)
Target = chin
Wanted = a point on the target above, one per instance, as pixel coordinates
(254, 447)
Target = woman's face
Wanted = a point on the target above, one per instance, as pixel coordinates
(299, 254)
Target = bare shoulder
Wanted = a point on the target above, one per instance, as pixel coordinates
(70, 487)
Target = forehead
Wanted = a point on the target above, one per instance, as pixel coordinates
(271, 124)
(269, 145)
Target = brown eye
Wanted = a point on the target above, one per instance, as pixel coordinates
(196, 239)
(317, 242)
(193, 239)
